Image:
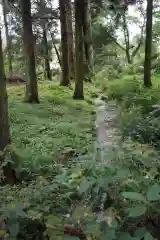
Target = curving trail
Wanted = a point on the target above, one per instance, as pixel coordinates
(106, 130)
(106, 141)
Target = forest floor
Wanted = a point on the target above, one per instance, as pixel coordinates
(41, 132)
(106, 129)
(60, 128)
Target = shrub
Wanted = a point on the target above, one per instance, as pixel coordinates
(126, 194)
(121, 88)
(137, 104)
(145, 129)
(143, 98)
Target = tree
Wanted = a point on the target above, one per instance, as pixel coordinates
(88, 36)
(48, 72)
(70, 40)
(129, 47)
(43, 23)
(130, 50)
(5, 139)
(79, 8)
(56, 50)
(148, 45)
(65, 81)
(28, 41)
(8, 39)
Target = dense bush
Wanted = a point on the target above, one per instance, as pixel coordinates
(116, 200)
(108, 201)
(122, 87)
(119, 87)
(145, 129)
(137, 107)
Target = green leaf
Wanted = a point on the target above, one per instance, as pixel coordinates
(134, 196)
(78, 212)
(110, 234)
(96, 189)
(153, 193)
(54, 220)
(11, 238)
(114, 224)
(13, 229)
(148, 236)
(70, 238)
(123, 172)
(94, 229)
(3, 233)
(140, 232)
(137, 211)
(19, 210)
(84, 186)
(127, 236)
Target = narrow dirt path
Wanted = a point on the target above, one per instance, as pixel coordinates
(106, 130)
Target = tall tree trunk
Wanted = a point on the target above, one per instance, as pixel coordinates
(5, 139)
(126, 38)
(88, 36)
(48, 73)
(58, 55)
(65, 81)
(47, 70)
(8, 40)
(28, 39)
(70, 39)
(56, 50)
(129, 60)
(148, 45)
(79, 8)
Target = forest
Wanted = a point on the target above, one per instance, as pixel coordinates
(79, 120)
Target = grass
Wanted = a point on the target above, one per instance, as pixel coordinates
(136, 104)
(40, 132)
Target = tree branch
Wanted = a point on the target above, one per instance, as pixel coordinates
(126, 32)
(136, 49)
(56, 50)
(140, 42)
(119, 45)
(45, 17)
(37, 16)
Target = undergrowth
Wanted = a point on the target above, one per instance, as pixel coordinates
(117, 201)
(40, 133)
(140, 108)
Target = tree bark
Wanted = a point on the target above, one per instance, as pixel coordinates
(127, 39)
(70, 39)
(28, 40)
(47, 70)
(65, 81)
(5, 140)
(148, 45)
(58, 55)
(48, 73)
(79, 8)
(87, 29)
(56, 50)
(8, 40)
(129, 60)
(129, 55)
